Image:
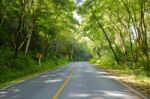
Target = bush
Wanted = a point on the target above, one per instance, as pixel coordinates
(14, 68)
(93, 60)
(104, 60)
(22, 63)
(5, 57)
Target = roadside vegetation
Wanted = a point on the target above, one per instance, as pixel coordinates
(26, 68)
(133, 77)
(37, 35)
(119, 31)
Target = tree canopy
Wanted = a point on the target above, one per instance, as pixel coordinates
(119, 28)
(116, 30)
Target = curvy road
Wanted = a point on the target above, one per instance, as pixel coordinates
(76, 80)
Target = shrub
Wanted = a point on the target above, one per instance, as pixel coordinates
(5, 57)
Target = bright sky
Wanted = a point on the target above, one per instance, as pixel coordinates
(77, 16)
(79, 2)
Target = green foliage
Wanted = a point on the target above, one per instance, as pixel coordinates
(105, 60)
(6, 56)
(118, 27)
(29, 28)
(23, 66)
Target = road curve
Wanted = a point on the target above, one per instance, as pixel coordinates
(77, 80)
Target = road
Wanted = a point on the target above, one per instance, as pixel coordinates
(77, 80)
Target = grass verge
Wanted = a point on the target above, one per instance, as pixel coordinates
(11, 77)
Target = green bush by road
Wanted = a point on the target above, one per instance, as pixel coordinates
(13, 68)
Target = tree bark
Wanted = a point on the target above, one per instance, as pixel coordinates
(109, 42)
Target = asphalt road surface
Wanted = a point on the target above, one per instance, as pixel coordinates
(77, 80)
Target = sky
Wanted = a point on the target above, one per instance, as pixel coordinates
(79, 2)
(75, 14)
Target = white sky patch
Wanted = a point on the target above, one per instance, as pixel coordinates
(134, 31)
(79, 2)
(77, 16)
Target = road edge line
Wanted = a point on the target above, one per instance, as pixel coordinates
(119, 81)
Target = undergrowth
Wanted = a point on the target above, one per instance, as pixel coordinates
(13, 68)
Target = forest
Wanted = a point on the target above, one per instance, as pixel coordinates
(37, 30)
(119, 30)
(120, 33)
(36, 35)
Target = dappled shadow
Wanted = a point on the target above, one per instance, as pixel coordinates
(33, 85)
(3, 94)
(53, 75)
(79, 95)
(12, 92)
(140, 87)
(90, 83)
(101, 94)
(53, 81)
(44, 76)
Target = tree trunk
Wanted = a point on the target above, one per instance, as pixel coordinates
(109, 42)
(28, 43)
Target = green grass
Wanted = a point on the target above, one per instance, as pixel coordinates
(10, 76)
